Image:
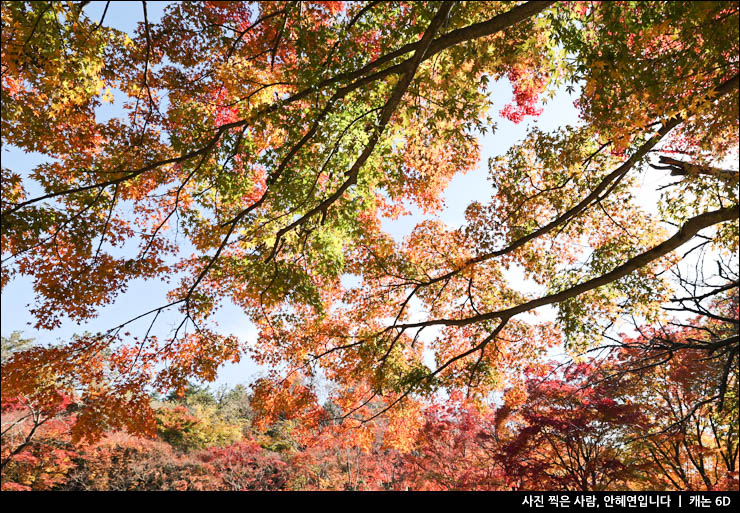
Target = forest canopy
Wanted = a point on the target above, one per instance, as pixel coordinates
(261, 146)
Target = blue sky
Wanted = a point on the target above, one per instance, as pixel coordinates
(142, 296)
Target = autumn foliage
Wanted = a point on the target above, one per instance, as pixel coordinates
(249, 154)
(578, 428)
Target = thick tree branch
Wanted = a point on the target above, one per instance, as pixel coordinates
(680, 168)
(686, 233)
